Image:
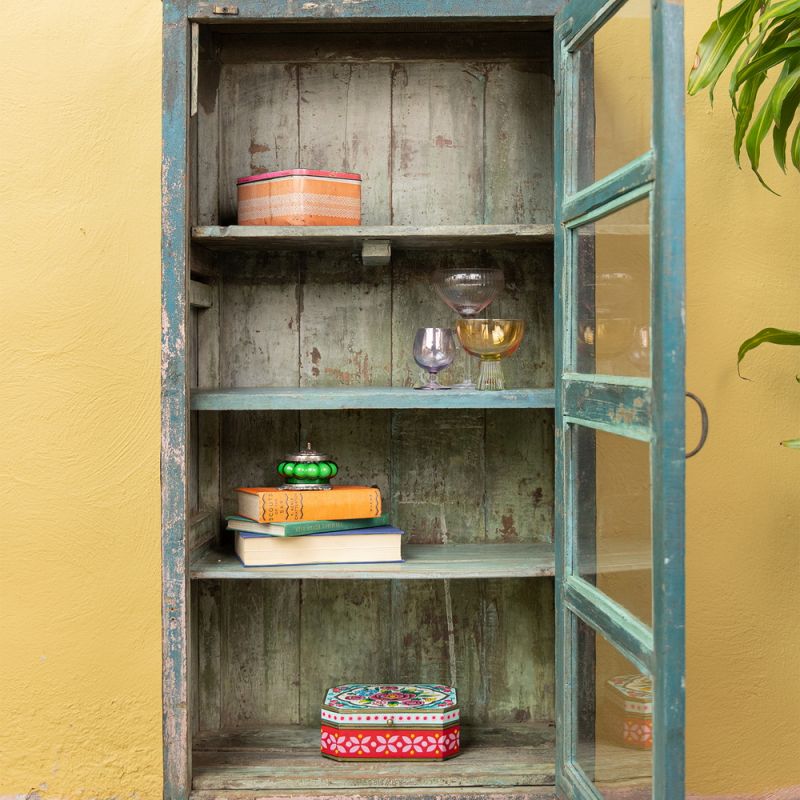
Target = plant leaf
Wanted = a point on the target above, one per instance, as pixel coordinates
(786, 113)
(793, 443)
(795, 149)
(719, 45)
(784, 8)
(755, 136)
(744, 112)
(745, 57)
(769, 59)
(767, 336)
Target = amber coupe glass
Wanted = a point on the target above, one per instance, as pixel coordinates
(491, 340)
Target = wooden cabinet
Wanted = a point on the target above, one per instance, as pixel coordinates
(277, 336)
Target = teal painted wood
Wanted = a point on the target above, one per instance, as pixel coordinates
(609, 406)
(401, 237)
(174, 445)
(423, 562)
(376, 9)
(660, 175)
(628, 184)
(339, 398)
(564, 622)
(582, 18)
(668, 365)
(628, 634)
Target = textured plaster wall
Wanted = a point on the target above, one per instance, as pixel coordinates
(79, 343)
(80, 583)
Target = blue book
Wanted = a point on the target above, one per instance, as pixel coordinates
(361, 546)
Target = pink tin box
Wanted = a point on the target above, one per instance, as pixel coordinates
(300, 197)
(630, 720)
(390, 722)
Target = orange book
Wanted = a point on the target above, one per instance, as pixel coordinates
(281, 505)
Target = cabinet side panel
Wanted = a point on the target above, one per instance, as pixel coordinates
(345, 125)
(519, 143)
(207, 622)
(258, 126)
(437, 143)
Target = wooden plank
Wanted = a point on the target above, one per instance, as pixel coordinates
(423, 562)
(206, 168)
(201, 295)
(402, 237)
(258, 114)
(243, 698)
(345, 330)
(208, 425)
(455, 793)
(519, 144)
(622, 408)
(259, 335)
(438, 500)
(374, 397)
(624, 185)
(208, 637)
(344, 122)
(174, 402)
(521, 755)
(282, 655)
(377, 45)
(437, 143)
(519, 476)
(512, 10)
(342, 628)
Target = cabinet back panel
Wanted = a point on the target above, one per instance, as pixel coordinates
(441, 134)
(269, 649)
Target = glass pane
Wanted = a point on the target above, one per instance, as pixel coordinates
(614, 125)
(614, 711)
(612, 508)
(612, 293)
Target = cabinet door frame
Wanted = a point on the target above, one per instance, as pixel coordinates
(651, 409)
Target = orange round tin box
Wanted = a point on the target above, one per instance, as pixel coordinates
(390, 722)
(300, 197)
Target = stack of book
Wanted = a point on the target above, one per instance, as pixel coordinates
(340, 525)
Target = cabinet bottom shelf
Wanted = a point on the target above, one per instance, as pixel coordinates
(509, 761)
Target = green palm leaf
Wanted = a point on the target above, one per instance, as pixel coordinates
(787, 109)
(767, 336)
(785, 8)
(795, 150)
(777, 55)
(720, 44)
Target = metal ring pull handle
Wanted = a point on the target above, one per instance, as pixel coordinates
(703, 424)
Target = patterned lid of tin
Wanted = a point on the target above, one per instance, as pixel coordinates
(313, 173)
(633, 692)
(422, 703)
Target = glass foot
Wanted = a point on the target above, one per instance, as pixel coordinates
(469, 386)
(491, 378)
(433, 387)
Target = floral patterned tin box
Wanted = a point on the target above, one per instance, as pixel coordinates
(632, 703)
(390, 722)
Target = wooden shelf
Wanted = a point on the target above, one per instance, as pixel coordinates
(286, 758)
(402, 237)
(423, 562)
(512, 760)
(294, 398)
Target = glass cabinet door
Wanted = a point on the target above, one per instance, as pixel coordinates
(620, 399)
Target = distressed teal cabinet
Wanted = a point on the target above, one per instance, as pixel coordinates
(544, 572)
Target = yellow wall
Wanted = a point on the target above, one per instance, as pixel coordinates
(80, 626)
